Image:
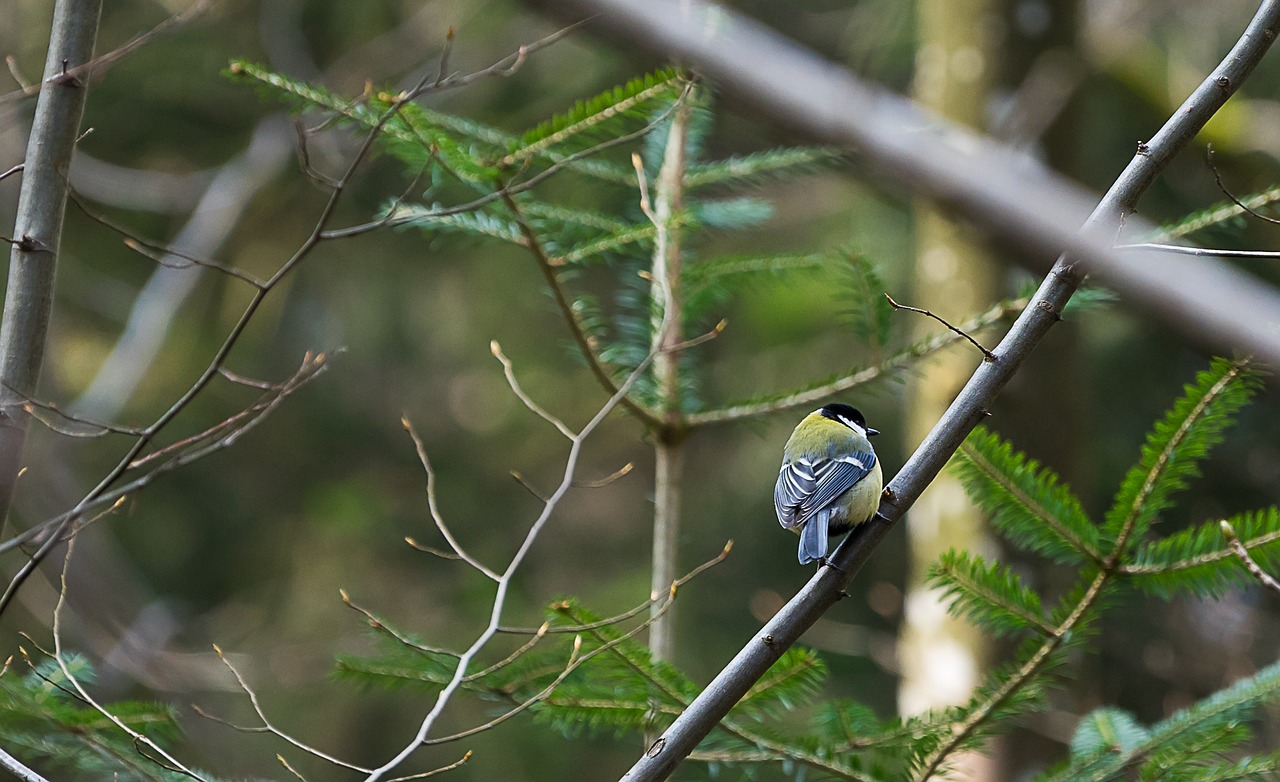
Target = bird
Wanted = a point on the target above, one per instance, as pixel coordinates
(830, 480)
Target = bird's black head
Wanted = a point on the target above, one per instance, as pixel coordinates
(847, 415)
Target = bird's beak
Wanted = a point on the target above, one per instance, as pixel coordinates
(872, 432)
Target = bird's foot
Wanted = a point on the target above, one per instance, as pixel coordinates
(824, 562)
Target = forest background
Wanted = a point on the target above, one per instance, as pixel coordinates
(248, 548)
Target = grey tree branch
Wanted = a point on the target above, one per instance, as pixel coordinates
(14, 766)
(999, 189)
(37, 232)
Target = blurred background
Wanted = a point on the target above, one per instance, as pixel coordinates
(248, 548)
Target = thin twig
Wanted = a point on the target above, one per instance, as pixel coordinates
(1265, 578)
(509, 371)
(434, 771)
(434, 508)
(99, 64)
(290, 768)
(503, 582)
(229, 342)
(605, 481)
(1217, 177)
(266, 723)
(529, 487)
(1207, 252)
(57, 528)
(575, 661)
(430, 549)
(625, 615)
(378, 624)
(138, 738)
(987, 353)
(156, 252)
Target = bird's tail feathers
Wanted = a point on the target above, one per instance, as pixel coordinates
(813, 537)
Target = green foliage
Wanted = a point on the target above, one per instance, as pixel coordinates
(1189, 745)
(989, 595)
(467, 161)
(42, 718)
(1198, 559)
(1175, 448)
(1036, 512)
(870, 312)
(758, 167)
(1222, 213)
(597, 119)
(1026, 501)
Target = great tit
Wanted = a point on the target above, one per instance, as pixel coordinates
(830, 478)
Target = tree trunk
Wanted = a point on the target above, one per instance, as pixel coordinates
(942, 657)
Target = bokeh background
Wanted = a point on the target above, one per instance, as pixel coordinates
(248, 548)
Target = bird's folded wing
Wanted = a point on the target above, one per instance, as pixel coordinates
(807, 485)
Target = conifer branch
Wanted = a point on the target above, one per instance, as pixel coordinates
(893, 363)
(1242, 553)
(581, 338)
(1207, 558)
(1031, 505)
(1157, 468)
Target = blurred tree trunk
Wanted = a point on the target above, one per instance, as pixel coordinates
(668, 444)
(940, 656)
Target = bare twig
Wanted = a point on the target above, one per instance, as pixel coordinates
(625, 615)
(290, 768)
(165, 256)
(99, 64)
(503, 582)
(1205, 252)
(272, 729)
(430, 549)
(138, 738)
(381, 626)
(608, 479)
(1217, 177)
(220, 356)
(434, 508)
(53, 530)
(1250, 564)
(989, 356)
(423, 775)
(533, 406)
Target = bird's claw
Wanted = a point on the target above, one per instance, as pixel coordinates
(824, 562)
